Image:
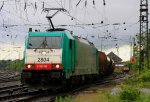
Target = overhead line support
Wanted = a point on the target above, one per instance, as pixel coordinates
(144, 35)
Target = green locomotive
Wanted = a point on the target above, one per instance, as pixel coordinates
(58, 55)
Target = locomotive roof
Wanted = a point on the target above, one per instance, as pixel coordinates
(53, 33)
(83, 40)
(60, 33)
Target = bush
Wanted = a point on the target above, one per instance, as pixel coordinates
(15, 65)
(129, 94)
(144, 98)
(145, 76)
(66, 99)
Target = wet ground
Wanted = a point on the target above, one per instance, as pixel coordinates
(96, 93)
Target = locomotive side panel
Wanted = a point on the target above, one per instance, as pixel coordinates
(68, 57)
(86, 59)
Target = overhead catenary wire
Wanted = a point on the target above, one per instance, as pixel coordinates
(26, 7)
(89, 22)
(78, 3)
(2, 6)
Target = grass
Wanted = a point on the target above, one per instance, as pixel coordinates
(98, 96)
(131, 89)
(129, 94)
(66, 99)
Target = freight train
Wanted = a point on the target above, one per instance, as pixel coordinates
(58, 56)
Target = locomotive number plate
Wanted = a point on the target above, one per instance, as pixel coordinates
(43, 60)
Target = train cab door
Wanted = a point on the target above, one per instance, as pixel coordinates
(72, 53)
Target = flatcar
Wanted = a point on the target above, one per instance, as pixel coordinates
(59, 56)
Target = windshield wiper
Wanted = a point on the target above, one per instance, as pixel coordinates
(30, 44)
(44, 44)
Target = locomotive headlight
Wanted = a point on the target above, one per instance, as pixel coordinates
(29, 66)
(57, 66)
(43, 53)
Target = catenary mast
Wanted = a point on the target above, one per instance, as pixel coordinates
(144, 35)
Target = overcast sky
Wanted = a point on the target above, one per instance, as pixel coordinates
(108, 26)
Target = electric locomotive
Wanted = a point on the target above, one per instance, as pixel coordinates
(57, 55)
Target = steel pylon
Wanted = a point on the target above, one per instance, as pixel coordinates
(144, 35)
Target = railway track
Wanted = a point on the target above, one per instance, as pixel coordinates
(24, 93)
(9, 77)
(19, 93)
(7, 92)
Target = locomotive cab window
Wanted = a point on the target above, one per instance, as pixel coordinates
(45, 42)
